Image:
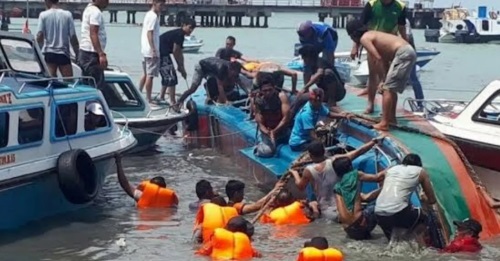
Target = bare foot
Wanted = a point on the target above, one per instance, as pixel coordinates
(381, 126)
(363, 92)
(369, 109)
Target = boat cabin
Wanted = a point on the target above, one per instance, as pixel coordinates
(42, 115)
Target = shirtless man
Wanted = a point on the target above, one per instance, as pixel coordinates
(385, 48)
(277, 71)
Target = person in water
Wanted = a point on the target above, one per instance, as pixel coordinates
(235, 191)
(210, 216)
(288, 210)
(232, 242)
(357, 222)
(204, 192)
(321, 36)
(466, 238)
(226, 75)
(272, 111)
(318, 249)
(303, 131)
(393, 208)
(386, 49)
(149, 194)
(323, 74)
(322, 176)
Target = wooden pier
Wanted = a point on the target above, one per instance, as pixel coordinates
(218, 13)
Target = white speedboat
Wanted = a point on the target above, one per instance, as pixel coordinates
(57, 140)
(191, 44)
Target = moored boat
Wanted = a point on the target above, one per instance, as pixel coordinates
(224, 128)
(57, 140)
(191, 44)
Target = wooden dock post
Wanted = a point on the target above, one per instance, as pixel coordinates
(5, 25)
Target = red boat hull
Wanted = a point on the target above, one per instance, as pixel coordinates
(480, 154)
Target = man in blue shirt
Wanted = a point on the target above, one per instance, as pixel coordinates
(322, 36)
(303, 132)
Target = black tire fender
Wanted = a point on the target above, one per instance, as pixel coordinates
(77, 176)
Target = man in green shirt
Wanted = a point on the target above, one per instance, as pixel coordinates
(387, 16)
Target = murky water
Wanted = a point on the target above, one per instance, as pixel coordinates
(113, 229)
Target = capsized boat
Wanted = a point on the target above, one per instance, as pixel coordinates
(225, 128)
(474, 125)
(191, 44)
(54, 155)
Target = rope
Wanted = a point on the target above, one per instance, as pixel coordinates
(197, 137)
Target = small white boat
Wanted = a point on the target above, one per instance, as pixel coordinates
(191, 44)
(57, 140)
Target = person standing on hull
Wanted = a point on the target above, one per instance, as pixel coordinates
(414, 81)
(150, 47)
(226, 75)
(56, 31)
(323, 178)
(92, 58)
(393, 208)
(320, 35)
(172, 42)
(386, 49)
(272, 116)
(228, 53)
(388, 16)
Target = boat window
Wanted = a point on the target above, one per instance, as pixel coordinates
(4, 129)
(121, 94)
(490, 112)
(66, 119)
(30, 125)
(95, 117)
(485, 25)
(21, 55)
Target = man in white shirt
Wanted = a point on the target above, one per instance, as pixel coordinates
(92, 58)
(150, 47)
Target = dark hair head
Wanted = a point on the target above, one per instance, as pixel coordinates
(316, 149)
(219, 200)
(190, 22)
(159, 181)
(356, 29)
(342, 166)
(284, 198)
(319, 242)
(470, 226)
(158, 1)
(235, 66)
(234, 186)
(232, 39)
(308, 51)
(204, 189)
(264, 79)
(239, 224)
(52, 1)
(316, 94)
(307, 244)
(412, 160)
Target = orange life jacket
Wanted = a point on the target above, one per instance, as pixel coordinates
(314, 254)
(291, 214)
(154, 196)
(228, 245)
(211, 216)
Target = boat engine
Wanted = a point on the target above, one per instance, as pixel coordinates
(327, 133)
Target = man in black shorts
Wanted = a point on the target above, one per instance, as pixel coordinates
(171, 42)
(226, 76)
(393, 208)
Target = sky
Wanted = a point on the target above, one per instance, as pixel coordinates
(470, 4)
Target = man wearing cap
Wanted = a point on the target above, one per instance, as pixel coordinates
(322, 36)
(467, 237)
(303, 132)
(94, 117)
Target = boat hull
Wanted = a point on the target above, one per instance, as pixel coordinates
(192, 48)
(479, 154)
(39, 196)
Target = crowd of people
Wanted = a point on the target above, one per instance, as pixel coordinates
(282, 119)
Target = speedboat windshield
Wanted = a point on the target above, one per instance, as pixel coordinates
(19, 55)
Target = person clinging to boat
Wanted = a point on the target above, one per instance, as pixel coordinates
(466, 238)
(288, 210)
(277, 71)
(386, 49)
(358, 222)
(393, 208)
(323, 74)
(272, 115)
(231, 242)
(322, 177)
(204, 192)
(318, 249)
(303, 131)
(321, 36)
(149, 194)
(235, 191)
(224, 75)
